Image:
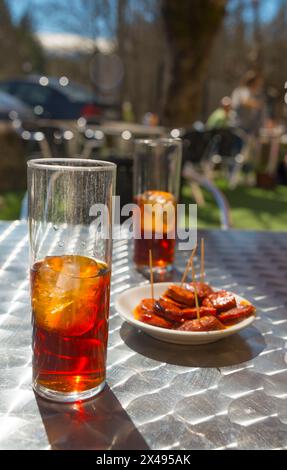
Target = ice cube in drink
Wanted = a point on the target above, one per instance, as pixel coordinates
(157, 219)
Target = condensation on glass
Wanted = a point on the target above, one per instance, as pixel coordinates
(70, 226)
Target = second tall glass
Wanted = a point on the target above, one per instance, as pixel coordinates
(157, 166)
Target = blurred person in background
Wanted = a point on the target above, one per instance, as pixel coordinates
(222, 116)
(249, 103)
(127, 112)
(250, 107)
(151, 119)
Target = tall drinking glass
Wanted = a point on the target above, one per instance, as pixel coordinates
(157, 166)
(70, 223)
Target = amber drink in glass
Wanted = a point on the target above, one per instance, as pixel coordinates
(157, 165)
(70, 275)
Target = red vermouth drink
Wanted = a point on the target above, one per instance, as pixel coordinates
(70, 308)
(70, 266)
(157, 231)
(157, 169)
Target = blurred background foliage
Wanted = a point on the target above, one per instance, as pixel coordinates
(20, 50)
(179, 58)
(176, 59)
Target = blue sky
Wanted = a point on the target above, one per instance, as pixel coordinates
(46, 23)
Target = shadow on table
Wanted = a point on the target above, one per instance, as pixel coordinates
(227, 352)
(97, 424)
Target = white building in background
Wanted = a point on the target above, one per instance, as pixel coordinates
(73, 44)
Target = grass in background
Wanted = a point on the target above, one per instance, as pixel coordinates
(10, 205)
(251, 208)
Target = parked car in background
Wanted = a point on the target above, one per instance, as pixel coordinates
(52, 98)
(12, 108)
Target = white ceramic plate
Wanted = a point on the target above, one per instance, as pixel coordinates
(128, 301)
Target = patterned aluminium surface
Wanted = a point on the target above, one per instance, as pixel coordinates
(227, 395)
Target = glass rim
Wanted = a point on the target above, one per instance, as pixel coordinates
(87, 164)
(158, 140)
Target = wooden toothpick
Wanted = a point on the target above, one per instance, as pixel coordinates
(195, 290)
(189, 264)
(202, 274)
(193, 271)
(151, 274)
(196, 302)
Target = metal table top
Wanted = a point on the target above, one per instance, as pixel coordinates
(227, 395)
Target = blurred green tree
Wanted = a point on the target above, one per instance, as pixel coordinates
(30, 49)
(20, 50)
